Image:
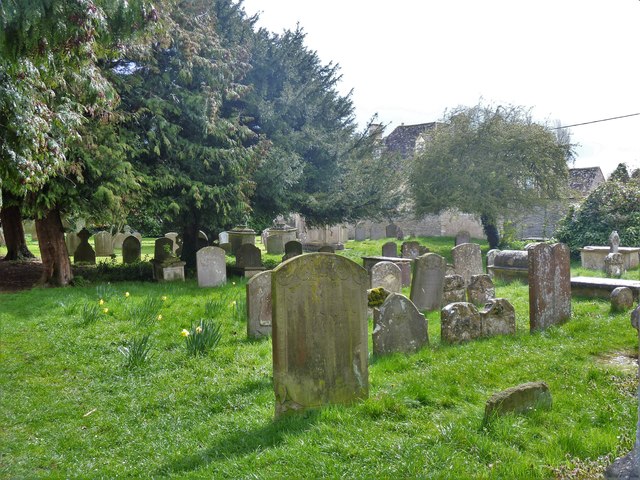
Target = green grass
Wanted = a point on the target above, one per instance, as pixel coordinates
(70, 407)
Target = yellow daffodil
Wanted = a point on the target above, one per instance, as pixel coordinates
(185, 332)
(198, 329)
(233, 283)
(164, 298)
(126, 294)
(101, 302)
(105, 310)
(233, 304)
(159, 317)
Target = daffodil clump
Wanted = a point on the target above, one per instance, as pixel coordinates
(202, 337)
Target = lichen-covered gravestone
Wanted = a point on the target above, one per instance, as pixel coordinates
(498, 318)
(104, 244)
(621, 299)
(387, 275)
(614, 265)
(428, 282)
(480, 289)
(211, 267)
(84, 252)
(453, 290)
(398, 326)
(131, 249)
(320, 349)
(259, 305)
(549, 285)
(460, 322)
(390, 249)
(467, 261)
(410, 250)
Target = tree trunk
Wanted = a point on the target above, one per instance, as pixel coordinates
(189, 245)
(55, 259)
(11, 220)
(491, 231)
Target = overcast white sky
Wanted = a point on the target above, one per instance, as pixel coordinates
(409, 60)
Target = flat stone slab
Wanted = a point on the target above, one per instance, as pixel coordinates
(597, 287)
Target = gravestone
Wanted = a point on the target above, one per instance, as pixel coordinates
(223, 237)
(428, 282)
(166, 266)
(202, 240)
(399, 234)
(491, 255)
(163, 249)
(377, 232)
(118, 239)
(259, 305)
(174, 238)
(320, 346)
(72, 240)
(508, 264)
(614, 265)
(391, 231)
(104, 244)
(460, 322)
(621, 299)
(327, 249)
(360, 233)
(211, 267)
(410, 250)
(467, 260)
(398, 326)
(518, 399)
(463, 237)
(84, 251)
(549, 285)
(292, 249)
(480, 289)
(614, 242)
(453, 290)
(248, 256)
(386, 275)
(498, 318)
(390, 249)
(131, 249)
(241, 235)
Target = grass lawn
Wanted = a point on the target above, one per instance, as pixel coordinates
(70, 408)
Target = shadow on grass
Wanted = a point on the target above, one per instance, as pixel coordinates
(242, 442)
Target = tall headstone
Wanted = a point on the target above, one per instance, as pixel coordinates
(104, 244)
(361, 232)
(427, 283)
(467, 260)
(259, 305)
(84, 252)
(410, 250)
(480, 289)
(549, 285)
(211, 267)
(72, 240)
(460, 322)
(398, 326)
(131, 249)
(390, 249)
(387, 275)
(292, 249)
(614, 242)
(463, 237)
(320, 346)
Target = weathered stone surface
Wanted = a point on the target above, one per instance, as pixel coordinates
(131, 249)
(378, 232)
(104, 244)
(614, 265)
(163, 249)
(460, 322)
(386, 275)
(390, 249)
(410, 250)
(491, 255)
(403, 263)
(593, 257)
(428, 282)
(453, 290)
(241, 235)
(480, 290)
(292, 249)
(320, 348)
(211, 267)
(259, 305)
(166, 266)
(361, 232)
(508, 264)
(463, 237)
(519, 399)
(549, 285)
(248, 256)
(72, 240)
(614, 242)
(275, 245)
(595, 287)
(223, 237)
(171, 273)
(327, 249)
(498, 318)
(391, 231)
(174, 238)
(398, 326)
(118, 238)
(621, 299)
(84, 251)
(467, 260)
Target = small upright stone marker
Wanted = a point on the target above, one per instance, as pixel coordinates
(428, 282)
(480, 290)
(84, 251)
(498, 318)
(463, 237)
(614, 265)
(292, 249)
(410, 249)
(398, 326)
(519, 399)
(131, 249)
(259, 305)
(211, 267)
(387, 275)
(467, 260)
(460, 322)
(390, 249)
(621, 299)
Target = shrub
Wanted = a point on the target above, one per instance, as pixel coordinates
(113, 272)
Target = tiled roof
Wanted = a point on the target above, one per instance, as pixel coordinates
(403, 138)
(584, 180)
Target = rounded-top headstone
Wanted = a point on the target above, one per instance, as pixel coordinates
(621, 299)
(387, 275)
(211, 267)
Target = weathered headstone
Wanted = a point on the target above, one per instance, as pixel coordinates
(467, 260)
(614, 242)
(391, 231)
(460, 322)
(480, 289)
(211, 267)
(84, 251)
(292, 249)
(491, 255)
(390, 249)
(327, 249)
(399, 234)
(361, 233)
(549, 285)
(320, 346)
(104, 244)
(463, 237)
(248, 256)
(621, 299)
(453, 290)
(410, 250)
(614, 265)
(131, 249)
(163, 249)
(118, 239)
(174, 238)
(519, 399)
(398, 326)
(166, 266)
(427, 283)
(259, 305)
(72, 240)
(386, 275)
(377, 232)
(498, 318)
(223, 237)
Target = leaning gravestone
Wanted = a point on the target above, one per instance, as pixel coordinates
(131, 249)
(410, 250)
(467, 260)
(72, 240)
(292, 248)
(549, 285)
(463, 237)
(498, 318)
(427, 283)
(84, 251)
(460, 322)
(453, 290)
(480, 289)
(398, 326)
(104, 244)
(386, 275)
(390, 249)
(320, 345)
(211, 267)
(259, 305)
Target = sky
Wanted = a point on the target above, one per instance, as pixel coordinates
(409, 61)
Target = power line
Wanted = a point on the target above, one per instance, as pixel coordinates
(596, 121)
